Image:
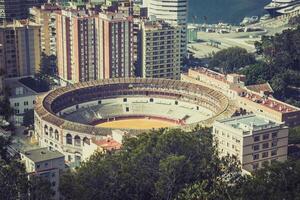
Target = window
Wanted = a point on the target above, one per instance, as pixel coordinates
(77, 140)
(124, 99)
(265, 136)
(151, 99)
(176, 102)
(25, 110)
(256, 138)
(255, 166)
(69, 139)
(127, 109)
(56, 135)
(86, 141)
(25, 103)
(37, 166)
(255, 156)
(274, 135)
(274, 143)
(265, 145)
(69, 158)
(99, 102)
(16, 104)
(46, 164)
(256, 147)
(265, 154)
(274, 153)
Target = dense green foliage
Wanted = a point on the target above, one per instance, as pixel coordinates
(5, 109)
(177, 165)
(48, 69)
(278, 181)
(14, 183)
(280, 64)
(28, 118)
(231, 59)
(294, 21)
(294, 135)
(156, 165)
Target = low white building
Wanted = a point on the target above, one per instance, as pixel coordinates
(254, 140)
(45, 163)
(22, 98)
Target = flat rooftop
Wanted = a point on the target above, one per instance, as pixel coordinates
(248, 123)
(42, 154)
(23, 86)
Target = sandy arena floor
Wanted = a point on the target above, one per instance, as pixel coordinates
(137, 124)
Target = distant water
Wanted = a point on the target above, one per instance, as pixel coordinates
(227, 11)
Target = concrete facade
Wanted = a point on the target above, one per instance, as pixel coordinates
(159, 55)
(92, 47)
(259, 102)
(21, 48)
(254, 140)
(45, 163)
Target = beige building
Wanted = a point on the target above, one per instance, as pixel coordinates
(254, 140)
(45, 163)
(20, 48)
(159, 55)
(45, 16)
(92, 46)
(257, 99)
(115, 45)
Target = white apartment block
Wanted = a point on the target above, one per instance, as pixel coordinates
(22, 98)
(254, 140)
(45, 163)
(159, 55)
(172, 11)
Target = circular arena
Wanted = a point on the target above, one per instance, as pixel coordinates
(67, 118)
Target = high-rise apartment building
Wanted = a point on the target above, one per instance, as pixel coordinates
(115, 45)
(76, 46)
(252, 139)
(159, 53)
(46, 17)
(92, 46)
(21, 48)
(16, 9)
(174, 12)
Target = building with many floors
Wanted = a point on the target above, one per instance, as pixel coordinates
(45, 163)
(93, 46)
(46, 17)
(20, 48)
(159, 50)
(252, 139)
(172, 11)
(115, 45)
(16, 9)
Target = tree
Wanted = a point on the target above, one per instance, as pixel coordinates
(155, 165)
(14, 183)
(28, 118)
(231, 59)
(40, 188)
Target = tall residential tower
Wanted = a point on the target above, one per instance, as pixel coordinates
(174, 12)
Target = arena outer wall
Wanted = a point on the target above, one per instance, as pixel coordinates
(70, 138)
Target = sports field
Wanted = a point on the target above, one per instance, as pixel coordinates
(137, 124)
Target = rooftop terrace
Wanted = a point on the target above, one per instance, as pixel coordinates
(43, 154)
(248, 123)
